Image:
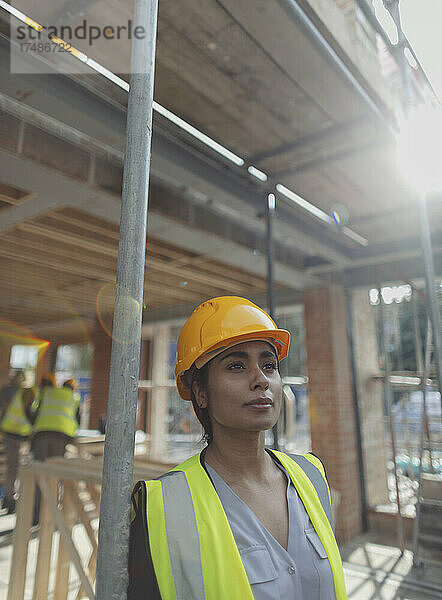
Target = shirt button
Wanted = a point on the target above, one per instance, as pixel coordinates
(291, 569)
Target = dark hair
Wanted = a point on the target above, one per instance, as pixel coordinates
(201, 376)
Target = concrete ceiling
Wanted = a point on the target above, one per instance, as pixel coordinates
(255, 82)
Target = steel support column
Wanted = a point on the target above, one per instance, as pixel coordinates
(113, 537)
(385, 338)
(270, 213)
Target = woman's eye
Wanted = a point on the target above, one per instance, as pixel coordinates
(235, 366)
(270, 365)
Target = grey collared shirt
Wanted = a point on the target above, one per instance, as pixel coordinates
(302, 572)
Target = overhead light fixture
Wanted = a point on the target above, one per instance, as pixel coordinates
(354, 236)
(257, 173)
(320, 214)
(311, 208)
(202, 137)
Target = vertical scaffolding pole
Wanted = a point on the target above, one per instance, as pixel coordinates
(430, 280)
(388, 399)
(425, 233)
(117, 481)
(421, 366)
(270, 212)
(416, 526)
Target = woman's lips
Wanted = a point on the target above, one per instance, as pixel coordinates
(261, 403)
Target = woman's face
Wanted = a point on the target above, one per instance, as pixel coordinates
(244, 388)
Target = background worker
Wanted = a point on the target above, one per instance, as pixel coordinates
(56, 421)
(16, 429)
(238, 520)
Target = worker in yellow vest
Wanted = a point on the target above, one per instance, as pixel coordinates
(16, 429)
(238, 521)
(56, 422)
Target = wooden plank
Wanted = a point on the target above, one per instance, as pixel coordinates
(78, 508)
(73, 497)
(291, 49)
(68, 512)
(46, 469)
(42, 569)
(20, 540)
(67, 540)
(94, 494)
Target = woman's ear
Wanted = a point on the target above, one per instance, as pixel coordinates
(200, 394)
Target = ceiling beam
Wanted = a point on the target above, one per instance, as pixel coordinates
(173, 159)
(322, 161)
(66, 192)
(335, 130)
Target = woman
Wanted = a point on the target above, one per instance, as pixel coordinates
(238, 521)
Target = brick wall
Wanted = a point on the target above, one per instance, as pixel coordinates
(100, 375)
(331, 400)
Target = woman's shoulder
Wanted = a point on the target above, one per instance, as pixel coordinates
(301, 460)
(189, 463)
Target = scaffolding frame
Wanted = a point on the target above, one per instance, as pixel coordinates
(123, 389)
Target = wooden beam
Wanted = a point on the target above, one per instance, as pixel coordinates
(21, 536)
(42, 569)
(66, 538)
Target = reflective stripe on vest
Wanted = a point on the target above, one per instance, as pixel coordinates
(318, 482)
(184, 552)
(15, 420)
(58, 407)
(194, 554)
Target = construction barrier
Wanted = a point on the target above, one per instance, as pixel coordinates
(70, 491)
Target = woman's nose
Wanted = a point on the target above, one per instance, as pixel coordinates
(259, 379)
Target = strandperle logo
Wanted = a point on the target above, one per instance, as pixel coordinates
(83, 31)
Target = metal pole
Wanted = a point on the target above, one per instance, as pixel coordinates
(388, 399)
(113, 537)
(416, 526)
(430, 281)
(421, 366)
(425, 233)
(270, 213)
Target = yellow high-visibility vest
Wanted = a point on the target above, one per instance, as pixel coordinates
(193, 550)
(15, 420)
(57, 412)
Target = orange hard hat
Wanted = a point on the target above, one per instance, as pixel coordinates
(48, 378)
(218, 324)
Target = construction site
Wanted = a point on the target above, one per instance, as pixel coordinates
(155, 155)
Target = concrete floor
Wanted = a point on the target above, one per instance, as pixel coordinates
(373, 567)
(375, 570)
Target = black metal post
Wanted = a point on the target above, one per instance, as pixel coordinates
(388, 399)
(417, 562)
(270, 212)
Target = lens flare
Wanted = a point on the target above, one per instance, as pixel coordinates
(105, 312)
(340, 214)
(418, 148)
(14, 334)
